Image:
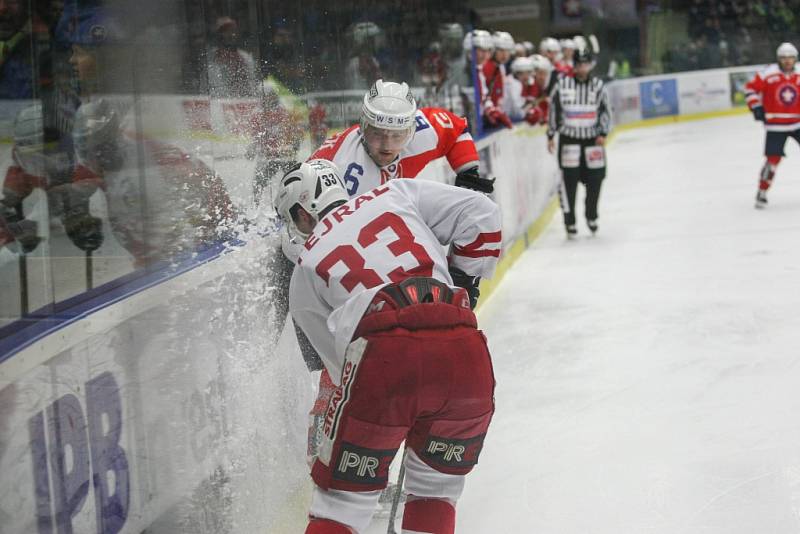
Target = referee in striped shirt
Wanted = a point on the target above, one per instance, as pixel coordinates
(579, 113)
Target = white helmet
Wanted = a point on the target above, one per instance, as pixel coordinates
(479, 39)
(787, 50)
(451, 30)
(549, 44)
(365, 32)
(541, 63)
(529, 47)
(580, 42)
(29, 144)
(503, 41)
(390, 106)
(567, 44)
(522, 64)
(316, 186)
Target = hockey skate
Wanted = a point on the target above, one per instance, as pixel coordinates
(592, 224)
(572, 231)
(761, 199)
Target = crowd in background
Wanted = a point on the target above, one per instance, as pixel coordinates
(723, 33)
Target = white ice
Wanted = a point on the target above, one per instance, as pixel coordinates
(648, 379)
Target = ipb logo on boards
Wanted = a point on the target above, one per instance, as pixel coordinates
(659, 98)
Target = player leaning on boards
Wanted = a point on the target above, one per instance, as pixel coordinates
(372, 291)
(772, 96)
(579, 113)
(393, 139)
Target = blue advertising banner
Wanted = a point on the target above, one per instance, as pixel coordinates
(659, 98)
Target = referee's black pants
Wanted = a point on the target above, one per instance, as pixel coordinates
(572, 174)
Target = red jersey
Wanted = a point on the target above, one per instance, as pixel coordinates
(564, 68)
(540, 105)
(779, 94)
(493, 76)
(439, 133)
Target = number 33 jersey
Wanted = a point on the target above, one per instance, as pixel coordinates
(439, 133)
(394, 232)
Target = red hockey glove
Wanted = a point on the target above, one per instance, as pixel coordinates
(495, 116)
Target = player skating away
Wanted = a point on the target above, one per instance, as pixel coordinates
(374, 293)
(773, 96)
(580, 114)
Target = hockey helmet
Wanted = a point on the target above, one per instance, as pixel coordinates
(786, 50)
(37, 149)
(451, 31)
(88, 26)
(479, 39)
(316, 186)
(541, 63)
(503, 41)
(583, 55)
(96, 135)
(567, 44)
(522, 64)
(549, 45)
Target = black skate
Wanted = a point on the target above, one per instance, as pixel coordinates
(761, 199)
(572, 231)
(592, 224)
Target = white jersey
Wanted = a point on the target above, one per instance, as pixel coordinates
(386, 235)
(439, 133)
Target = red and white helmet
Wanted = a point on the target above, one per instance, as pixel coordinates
(316, 186)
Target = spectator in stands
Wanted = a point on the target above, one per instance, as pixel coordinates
(23, 37)
(231, 70)
(363, 67)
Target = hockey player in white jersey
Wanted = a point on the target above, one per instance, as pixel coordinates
(394, 139)
(374, 293)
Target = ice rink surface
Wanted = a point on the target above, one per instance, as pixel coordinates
(648, 378)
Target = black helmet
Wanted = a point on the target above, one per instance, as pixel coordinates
(582, 55)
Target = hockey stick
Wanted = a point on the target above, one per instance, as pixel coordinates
(398, 492)
(23, 284)
(89, 270)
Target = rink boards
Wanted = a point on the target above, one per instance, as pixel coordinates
(166, 403)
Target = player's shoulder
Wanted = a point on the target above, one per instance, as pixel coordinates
(441, 119)
(337, 143)
(769, 70)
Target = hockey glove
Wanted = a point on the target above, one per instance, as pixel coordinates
(758, 113)
(85, 231)
(497, 117)
(24, 231)
(470, 283)
(471, 179)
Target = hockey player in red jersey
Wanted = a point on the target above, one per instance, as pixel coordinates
(773, 96)
(374, 292)
(494, 73)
